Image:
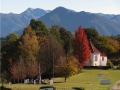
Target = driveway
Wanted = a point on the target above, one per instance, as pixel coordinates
(115, 86)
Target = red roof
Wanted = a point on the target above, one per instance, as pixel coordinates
(103, 53)
(93, 48)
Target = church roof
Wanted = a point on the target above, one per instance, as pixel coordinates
(93, 48)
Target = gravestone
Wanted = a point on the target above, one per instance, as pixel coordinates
(26, 81)
(10, 83)
(34, 81)
(51, 81)
(100, 76)
(105, 81)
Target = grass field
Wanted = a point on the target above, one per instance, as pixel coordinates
(88, 79)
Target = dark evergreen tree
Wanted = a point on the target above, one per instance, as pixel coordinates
(39, 27)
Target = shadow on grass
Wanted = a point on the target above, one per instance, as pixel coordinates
(58, 82)
(3, 88)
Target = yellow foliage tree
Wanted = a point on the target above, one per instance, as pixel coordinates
(109, 45)
(28, 44)
(66, 68)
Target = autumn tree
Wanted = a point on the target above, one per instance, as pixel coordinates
(81, 46)
(18, 70)
(50, 52)
(109, 45)
(116, 37)
(66, 68)
(28, 45)
(32, 69)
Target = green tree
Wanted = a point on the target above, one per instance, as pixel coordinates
(117, 37)
(66, 38)
(54, 30)
(39, 27)
(92, 35)
(9, 49)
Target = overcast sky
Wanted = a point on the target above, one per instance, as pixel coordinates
(94, 6)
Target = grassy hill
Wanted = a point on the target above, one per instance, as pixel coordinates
(88, 79)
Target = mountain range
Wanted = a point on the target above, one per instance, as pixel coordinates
(105, 24)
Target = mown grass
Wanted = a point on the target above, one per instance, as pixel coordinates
(88, 79)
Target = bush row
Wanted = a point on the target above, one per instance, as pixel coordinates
(97, 67)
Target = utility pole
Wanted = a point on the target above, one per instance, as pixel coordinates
(53, 67)
(39, 74)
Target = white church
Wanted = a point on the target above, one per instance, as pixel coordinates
(96, 57)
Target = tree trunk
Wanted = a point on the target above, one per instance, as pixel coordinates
(14, 80)
(2, 82)
(21, 80)
(18, 80)
(65, 79)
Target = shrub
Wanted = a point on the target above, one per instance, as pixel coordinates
(109, 63)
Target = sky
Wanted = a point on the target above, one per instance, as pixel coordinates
(94, 6)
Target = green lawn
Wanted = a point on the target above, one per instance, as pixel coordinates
(87, 79)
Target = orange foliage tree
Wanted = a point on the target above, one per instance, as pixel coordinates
(81, 46)
(32, 69)
(17, 70)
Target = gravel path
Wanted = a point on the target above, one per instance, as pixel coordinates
(115, 86)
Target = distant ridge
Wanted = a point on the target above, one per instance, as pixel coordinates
(71, 20)
(13, 22)
(106, 24)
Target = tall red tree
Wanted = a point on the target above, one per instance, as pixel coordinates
(81, 46)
